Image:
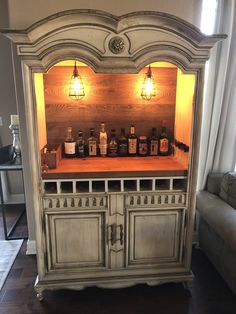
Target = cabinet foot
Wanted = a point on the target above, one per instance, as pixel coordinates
(188, 285)
(39, 296)
(39, 293)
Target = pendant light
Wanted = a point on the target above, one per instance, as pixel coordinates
(76, 88)
(148, 87)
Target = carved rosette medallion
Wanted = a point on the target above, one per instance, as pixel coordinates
(116, 45)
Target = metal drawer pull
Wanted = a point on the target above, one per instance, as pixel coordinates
(121, 234)
(113, 238)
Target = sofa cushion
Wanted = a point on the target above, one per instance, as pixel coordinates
(219, 215)
(228, 188)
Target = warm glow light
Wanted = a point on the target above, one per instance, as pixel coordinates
(76, 85)
(76, 89)
(148, 89)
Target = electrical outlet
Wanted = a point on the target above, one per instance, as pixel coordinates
(0, 121)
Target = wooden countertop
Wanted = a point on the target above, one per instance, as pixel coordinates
(99, 167)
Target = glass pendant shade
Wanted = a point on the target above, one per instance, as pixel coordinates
(148, 88)
(76, 88)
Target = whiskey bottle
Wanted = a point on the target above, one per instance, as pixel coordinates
(122, 143)
(92, 144)
(164, 141)
(142, 146)
(103, 140)
(69, 144)
(113, 144)
(132, 142)
(80, 145)
(153, 143)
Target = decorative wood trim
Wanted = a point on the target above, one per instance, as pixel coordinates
(155, 200)
(75, 202)
(145, 36)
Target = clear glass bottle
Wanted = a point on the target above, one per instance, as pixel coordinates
(69, 144)
(132, 142)
(92, 144)
(164, 141)
(103, 140)
(153, 143)
(80, 145)
(113, 144)
(122, 143)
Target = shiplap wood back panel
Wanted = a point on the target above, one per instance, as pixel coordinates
(113, 98)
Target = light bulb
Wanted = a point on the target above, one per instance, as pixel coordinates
(76, 89)
(148, 89)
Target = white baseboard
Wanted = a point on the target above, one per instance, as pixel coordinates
(31, 247)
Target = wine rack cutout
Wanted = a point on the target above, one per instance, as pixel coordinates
(66, 187)
(180, 184)
(162, 184)
(82, 187)
(130, 185)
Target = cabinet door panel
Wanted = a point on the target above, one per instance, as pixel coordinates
(75, 240)
(155, 236)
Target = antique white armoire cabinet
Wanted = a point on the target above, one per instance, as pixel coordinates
(113, 222)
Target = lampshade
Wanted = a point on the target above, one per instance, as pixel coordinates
(76, 88)
(148, 87)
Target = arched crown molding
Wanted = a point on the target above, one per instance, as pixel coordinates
(113, 44)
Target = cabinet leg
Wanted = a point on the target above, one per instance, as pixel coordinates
(188, 285)
(39, 293)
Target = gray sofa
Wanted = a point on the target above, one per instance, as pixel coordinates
(216, 211)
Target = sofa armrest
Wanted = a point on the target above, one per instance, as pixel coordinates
(213, 183)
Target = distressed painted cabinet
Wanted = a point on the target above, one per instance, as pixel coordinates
(118, 222)
(114, 231)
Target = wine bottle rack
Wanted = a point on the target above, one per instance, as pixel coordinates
(116, 185)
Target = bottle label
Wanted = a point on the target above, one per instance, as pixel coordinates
(154, 147)
(92, 148)
(112, 151)
(80, 150)
(142, 149)
(132, 145)
(103, 149)
(70, 148)
(122, 149)
(164, 145)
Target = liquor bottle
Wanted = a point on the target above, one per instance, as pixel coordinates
(80, 145)
(113, 144)
(153, 143)
(164, 141)
(122, 143)
(103, 140)
(142, 146)
(92, 144)
(69, 144)
(132, 142)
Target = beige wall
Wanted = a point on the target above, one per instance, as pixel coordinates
(23, 13)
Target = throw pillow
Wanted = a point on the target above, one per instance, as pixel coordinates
(228, 188)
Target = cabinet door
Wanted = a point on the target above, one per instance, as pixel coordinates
(154, 236)
(76, 240)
